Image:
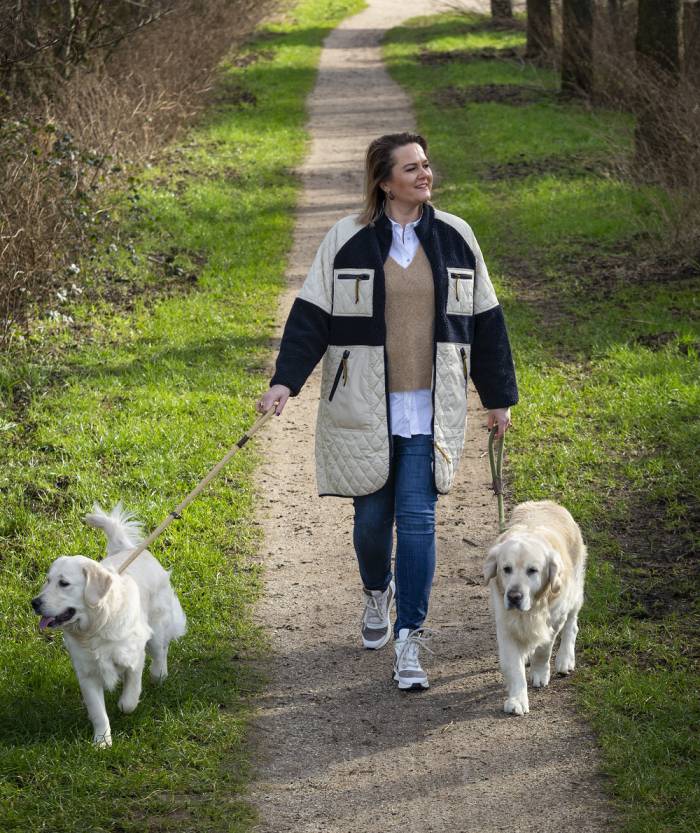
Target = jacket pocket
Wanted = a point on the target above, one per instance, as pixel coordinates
(460, 291)
(342, 370)
(352, 387)
(352, 291)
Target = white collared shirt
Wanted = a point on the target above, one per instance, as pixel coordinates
(411, 410)
(404, 242)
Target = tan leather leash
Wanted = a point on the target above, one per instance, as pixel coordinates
(496, 462)
(176, 514)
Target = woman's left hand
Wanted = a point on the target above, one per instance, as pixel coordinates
(501, 418)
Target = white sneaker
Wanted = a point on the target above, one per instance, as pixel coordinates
(376, 627)
(407, 669)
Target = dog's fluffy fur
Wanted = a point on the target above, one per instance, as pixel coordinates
(110, 620)
(536, 571)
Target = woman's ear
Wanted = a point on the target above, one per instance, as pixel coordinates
(97, 583)
(555, 565)
(491, 565)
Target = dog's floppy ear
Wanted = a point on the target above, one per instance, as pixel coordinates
(491, 564)
(555, 565)
(97, 583)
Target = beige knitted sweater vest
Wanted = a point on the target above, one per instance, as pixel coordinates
(409, 315)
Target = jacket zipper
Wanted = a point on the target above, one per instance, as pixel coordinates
(357, 279)
(457, 279)
(342, 368)
(465, 367)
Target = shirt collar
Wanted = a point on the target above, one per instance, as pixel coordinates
(398, 226)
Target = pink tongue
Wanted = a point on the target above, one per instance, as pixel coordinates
(44, 621)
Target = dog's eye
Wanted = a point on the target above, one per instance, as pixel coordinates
(63, 583)
(508, 570)
(531, 571)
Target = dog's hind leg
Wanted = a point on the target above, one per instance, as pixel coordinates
(131, 690)
(158, 649)
(565, 661)
(94, 699)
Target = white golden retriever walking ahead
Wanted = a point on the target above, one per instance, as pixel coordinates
(536, 569)
(110, 620)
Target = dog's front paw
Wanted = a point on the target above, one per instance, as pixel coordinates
(103, 740)
(540, 677)
(127, 703)
(564, 662)
(516, 705)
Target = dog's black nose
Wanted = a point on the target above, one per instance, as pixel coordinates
(515, 597)
(36, 604)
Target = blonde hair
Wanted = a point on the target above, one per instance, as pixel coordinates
(378, 164)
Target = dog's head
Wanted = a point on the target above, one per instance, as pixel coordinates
(523, 566)
(75, 587)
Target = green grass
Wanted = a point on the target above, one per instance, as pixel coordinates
(607, 366)
(137, 402)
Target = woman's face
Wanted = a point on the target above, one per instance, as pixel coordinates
(411, 177)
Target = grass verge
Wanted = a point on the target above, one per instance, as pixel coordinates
(132, 388)
(606, 338)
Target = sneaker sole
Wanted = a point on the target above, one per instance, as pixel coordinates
(415, 685)
(380, 643)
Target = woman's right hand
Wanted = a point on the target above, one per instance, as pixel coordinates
(276, 395)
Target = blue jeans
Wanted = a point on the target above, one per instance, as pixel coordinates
(409, 495)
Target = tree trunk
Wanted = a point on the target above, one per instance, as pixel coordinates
(577, 48)
(658, 36)
(658, 54)
(691, 39)
(64, 45)
(540, 35)
(615, 15)
(501, 9)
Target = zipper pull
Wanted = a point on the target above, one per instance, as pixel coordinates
(443, 452)
(464, 363)
(345, 367)
(457, 289)
(357, 290)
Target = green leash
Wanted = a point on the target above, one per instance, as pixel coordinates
(496, 462)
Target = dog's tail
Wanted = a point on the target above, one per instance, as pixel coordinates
(122, 531)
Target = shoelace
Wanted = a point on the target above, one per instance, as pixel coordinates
(415, 641)
(372, 614)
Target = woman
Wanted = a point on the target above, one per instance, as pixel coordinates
(399, 303)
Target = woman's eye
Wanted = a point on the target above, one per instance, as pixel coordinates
(63, 583)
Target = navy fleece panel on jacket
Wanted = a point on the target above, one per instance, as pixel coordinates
(492, 368)
(304, 342)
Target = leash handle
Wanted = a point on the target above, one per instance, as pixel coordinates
(496, 462)
(177, 512)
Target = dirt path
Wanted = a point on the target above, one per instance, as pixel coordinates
(339, 747)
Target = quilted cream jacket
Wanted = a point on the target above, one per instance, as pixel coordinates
(339, 315)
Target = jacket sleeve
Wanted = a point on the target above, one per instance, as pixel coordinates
(306, 332)
(492, 368)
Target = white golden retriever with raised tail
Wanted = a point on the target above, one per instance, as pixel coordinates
(109, 620)
(536, 570)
